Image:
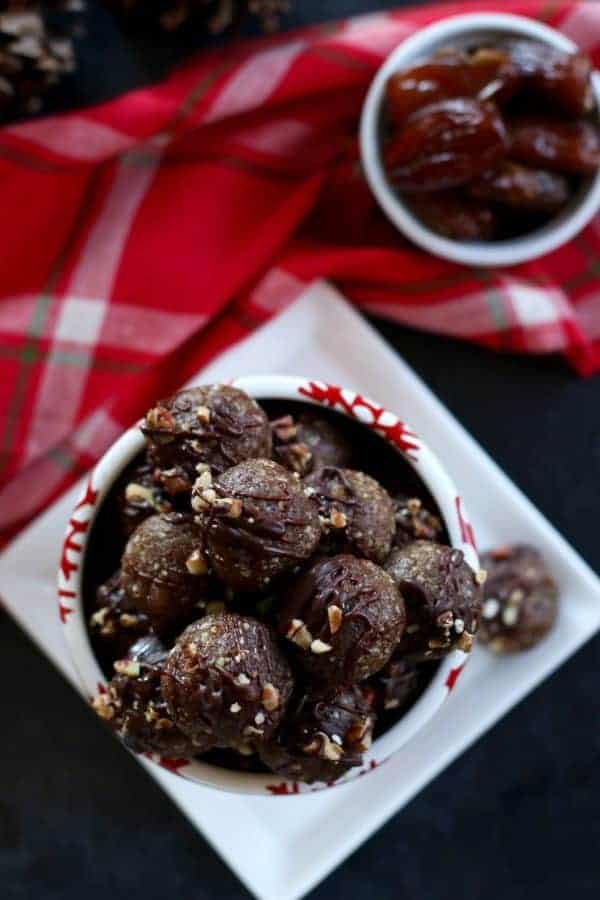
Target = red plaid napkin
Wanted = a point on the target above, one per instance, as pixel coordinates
(143, 236)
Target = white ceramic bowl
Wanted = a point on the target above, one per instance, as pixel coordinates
(373, 416)
(458, 31)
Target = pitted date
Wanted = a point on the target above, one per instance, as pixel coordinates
(451, 73)
(564, 79)
(569, 147)
(445, 144)
(519, 187)
(455, 216)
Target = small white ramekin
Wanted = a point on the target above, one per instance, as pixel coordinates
(459, 31)
(262, 387)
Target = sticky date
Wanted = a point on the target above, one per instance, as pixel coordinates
(445, 144)
(518, 187)
(450, 73)
(569, 147)
(455, 216)
(564, 79)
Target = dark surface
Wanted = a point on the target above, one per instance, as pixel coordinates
(515, 817)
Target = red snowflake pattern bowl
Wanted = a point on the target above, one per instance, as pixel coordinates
(272, 387)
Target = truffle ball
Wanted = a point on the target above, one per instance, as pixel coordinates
(356, 512)
(308, 443)
(520, 599)
(414, 522)
(227, 678)
(323, 737)
(215, 425)
(345, 616)
(163, 572)
(116, 623)
(258, 523)
(135, 709)
(140, 497)
(395, 685)
(442, 596)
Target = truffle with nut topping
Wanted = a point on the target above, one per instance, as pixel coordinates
(309, 442)
(258, 523)
(116, 624)
(215, 425)
(134, 708)
(442, 597)
(356, 512)
(323, 737)
(140, 497)
(414, 521)
(520, 602)
(395, 685)
(163, 571)
(344, 617)
(226, 677)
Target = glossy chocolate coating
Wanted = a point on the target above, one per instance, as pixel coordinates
(226, 677)
(414, 521)
(140, 497)
(395, 685)
(344, 617)
(569, 147)
(217, 425)
(157, 571)
(308, 443)
(323, 737)
(442, 597)
(116, 623)
(258, 525)
(134, 708)
(520, 599)
(356, 512)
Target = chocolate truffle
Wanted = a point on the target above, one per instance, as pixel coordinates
(414, 521)
(356, 512)
(116, 623)
(520, 599)
(344, 616)
(257, 521)
(442, 596)
(323, 737)
(215, 425)
(135, 709)
(163, 572)
(140, 497)
(227, 678)
(308, 443)
(395, 685)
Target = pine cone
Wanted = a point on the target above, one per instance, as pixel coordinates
(35, 54)
(214, 16)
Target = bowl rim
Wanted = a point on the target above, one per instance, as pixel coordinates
(352, 404)
(476, 253)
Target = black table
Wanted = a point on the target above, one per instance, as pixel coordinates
(516, 817)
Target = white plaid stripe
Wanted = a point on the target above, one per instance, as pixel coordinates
(74, 137)
(374, 33)
(587, 314)
(276, 290)
(61, 389)
(460, 316)
(582, 24)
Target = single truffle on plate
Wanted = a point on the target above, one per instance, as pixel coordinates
(356, 512)
(141, 496)
(324, 736)
(134, 708)
(163, 571)
(116, 623)
(395, 685)
(442, 596)
(309, 442)
(215, 425)
(226, 677)
(520, 599)
(344, 616)
(414, 521)
(258, 523)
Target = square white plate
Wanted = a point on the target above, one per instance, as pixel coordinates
(280, 847)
